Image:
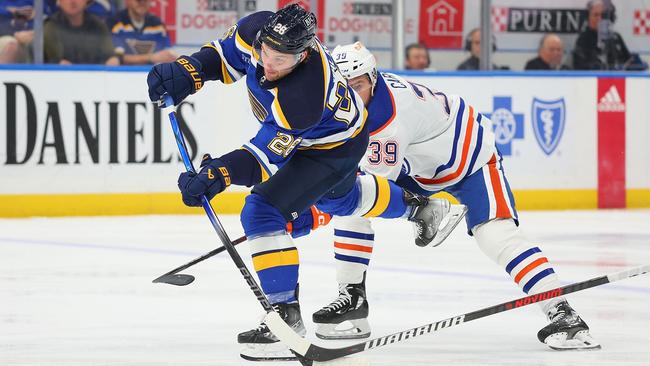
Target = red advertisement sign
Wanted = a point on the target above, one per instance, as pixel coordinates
(166, 11)
(441, 23)
(611, 142)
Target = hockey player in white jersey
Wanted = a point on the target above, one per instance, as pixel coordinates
(427, 142)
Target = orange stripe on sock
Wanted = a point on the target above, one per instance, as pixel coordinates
(529, 268)
(359, 248)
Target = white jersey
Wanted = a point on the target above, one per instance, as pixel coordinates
(438, 139)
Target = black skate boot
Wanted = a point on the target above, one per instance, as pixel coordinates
(346, 316)
(427, 216)
(567, 330)
(261, 345)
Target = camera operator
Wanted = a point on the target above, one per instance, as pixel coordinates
(599, 47)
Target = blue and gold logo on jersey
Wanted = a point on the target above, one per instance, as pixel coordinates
(230, 32)
(548, 122)
(257, 107)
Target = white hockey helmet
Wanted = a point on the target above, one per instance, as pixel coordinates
(355, 60)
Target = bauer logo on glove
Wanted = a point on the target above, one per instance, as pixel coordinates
(213, 178)
(198, 82)
(177, 79)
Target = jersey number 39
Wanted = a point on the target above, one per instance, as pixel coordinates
(379, 152)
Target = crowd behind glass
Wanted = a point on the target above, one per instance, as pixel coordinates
(125, 32)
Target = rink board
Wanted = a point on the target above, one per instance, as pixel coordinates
(86, 141)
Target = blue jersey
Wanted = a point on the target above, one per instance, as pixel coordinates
(10, 8)
(16, 15)
(129, 40)
(310, 108)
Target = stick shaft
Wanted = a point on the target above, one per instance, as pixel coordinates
(313, 352)
(214, 220)
(506, 306)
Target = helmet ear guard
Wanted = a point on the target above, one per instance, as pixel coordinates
(355, 60)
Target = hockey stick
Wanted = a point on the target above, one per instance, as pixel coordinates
(179, 279)
(168, 104)
(312, 352)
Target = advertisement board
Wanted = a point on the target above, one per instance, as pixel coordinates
(568, 141)
(108, 137)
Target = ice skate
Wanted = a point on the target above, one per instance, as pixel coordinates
(433, 218)
(567, 330)
(261, 345)
(346, 316)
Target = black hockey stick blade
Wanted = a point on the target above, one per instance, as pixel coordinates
(314, 353)
(175, 279)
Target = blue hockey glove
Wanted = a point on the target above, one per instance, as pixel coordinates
(212, 179)
(178, 79)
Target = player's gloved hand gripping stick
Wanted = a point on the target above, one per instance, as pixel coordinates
(213, 178)
(176, 79)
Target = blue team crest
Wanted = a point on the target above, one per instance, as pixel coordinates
(548, 122)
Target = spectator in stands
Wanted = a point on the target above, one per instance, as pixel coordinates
(549, 54)
(16, 22)
(103, 9)
(140, 37)
(10, 51)
(473, 45)
(416, 57)
(73, 36)
(599, 47)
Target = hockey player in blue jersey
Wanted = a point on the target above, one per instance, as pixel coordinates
(306, 152)
(429, 141)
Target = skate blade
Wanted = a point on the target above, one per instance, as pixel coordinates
(349, 329)
(267, 352)
(581, 341)
(449, 223)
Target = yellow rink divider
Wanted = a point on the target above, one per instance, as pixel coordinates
(637, 198)
(570, 199)
(111, 204)
(107, 204)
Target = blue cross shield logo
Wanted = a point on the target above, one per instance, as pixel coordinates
(548, 123)
(506, 124)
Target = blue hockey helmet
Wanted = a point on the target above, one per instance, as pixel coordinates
(290, 30)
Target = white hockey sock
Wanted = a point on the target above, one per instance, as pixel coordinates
(353, 243)
(503, 242)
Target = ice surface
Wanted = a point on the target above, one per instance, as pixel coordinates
(78, 291)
